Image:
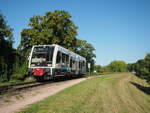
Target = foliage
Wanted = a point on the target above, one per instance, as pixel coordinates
(130, 67)
(142, 67)
(6, 55)
(20, 70)
(117, 66)
(52, 28)
(98, 68)
(114, 66)
(105, 70)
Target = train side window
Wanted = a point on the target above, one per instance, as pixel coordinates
(70, 62)
(50, 55)
(73, 63)
(67, 58)
(58, 57)
(76, 64)
(79, 65)
(63, 58)
(83, 63)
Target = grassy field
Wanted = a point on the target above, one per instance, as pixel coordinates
(114, 93)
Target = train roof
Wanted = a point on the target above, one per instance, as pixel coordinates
(69, 52)
(65, 51)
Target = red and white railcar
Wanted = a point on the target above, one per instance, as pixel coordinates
(49, 61)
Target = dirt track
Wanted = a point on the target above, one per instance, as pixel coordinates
(16, 103)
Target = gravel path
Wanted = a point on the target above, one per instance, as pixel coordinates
(29, 97)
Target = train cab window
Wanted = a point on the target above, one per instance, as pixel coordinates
(42, 56)
(59, 55)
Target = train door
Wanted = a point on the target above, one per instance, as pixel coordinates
(58, 60)
(65, 62)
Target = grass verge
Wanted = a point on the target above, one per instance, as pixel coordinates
(114, 93)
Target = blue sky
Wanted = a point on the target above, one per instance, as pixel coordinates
(118, 29)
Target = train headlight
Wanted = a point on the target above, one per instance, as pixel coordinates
(49, 65)
(32, 65)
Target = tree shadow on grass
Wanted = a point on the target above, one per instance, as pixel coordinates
(142, 88)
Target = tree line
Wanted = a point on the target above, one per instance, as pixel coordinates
(7, 53)
(114, 66)
(53, 28)
(141, 68)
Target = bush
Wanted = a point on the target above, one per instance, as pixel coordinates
(21, 72)
(18, 76)
(3, 70)
(117, 66)
(20, 67)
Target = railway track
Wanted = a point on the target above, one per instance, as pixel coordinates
(19, 87)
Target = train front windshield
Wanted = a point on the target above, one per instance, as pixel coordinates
(42, 56)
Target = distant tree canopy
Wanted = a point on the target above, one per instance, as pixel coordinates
(98, 68)
(117, 66)
(130, 67)
(114, 66)
(6, 51)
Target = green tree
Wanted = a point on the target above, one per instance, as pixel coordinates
(98, 68)
(20, 70)
(142, 67)
(6, 51)
(130, 67)
(52, 28)
(117, 66)
(147, 66)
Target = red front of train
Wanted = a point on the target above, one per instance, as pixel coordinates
(38, 71)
